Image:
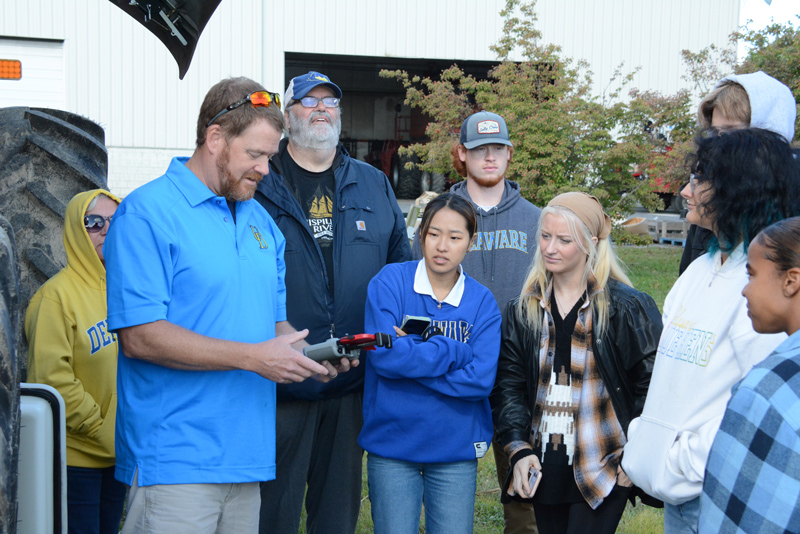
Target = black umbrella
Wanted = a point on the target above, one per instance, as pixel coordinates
(178, 23)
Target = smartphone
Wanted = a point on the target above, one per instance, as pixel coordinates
(415, 325)
(534, 477)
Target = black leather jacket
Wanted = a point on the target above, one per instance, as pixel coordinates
(625, 355)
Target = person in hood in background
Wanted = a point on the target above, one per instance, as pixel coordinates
(754, 100)
(342, 224)
(71, 349)
(504, 243)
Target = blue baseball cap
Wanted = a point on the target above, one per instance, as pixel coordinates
(301, 85)
(483, 128)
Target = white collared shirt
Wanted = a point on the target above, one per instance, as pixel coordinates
(422, 285)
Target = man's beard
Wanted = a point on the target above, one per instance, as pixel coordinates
(303, 133)
(235, 188)
(488, 182)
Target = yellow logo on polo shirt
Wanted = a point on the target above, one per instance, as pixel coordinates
(261, 242)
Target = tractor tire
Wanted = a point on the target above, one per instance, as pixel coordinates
(424, 181)
(432, 182)
(409, 181)
(10, 345)
(47, 156)
(394, 173)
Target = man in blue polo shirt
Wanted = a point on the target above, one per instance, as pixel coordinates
(196, 295)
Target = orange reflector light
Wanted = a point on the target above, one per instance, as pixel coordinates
(10, 69)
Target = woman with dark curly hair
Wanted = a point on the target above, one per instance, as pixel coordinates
(741, 182)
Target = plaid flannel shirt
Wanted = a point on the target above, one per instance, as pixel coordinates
(599, 436)
(752, 480)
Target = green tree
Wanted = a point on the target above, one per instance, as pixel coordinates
(565, 139)
(708, 66)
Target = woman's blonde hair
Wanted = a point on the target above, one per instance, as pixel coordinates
(602, 262)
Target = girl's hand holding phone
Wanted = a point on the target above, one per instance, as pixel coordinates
(527, 474)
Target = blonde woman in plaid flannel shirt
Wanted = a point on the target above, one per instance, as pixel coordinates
(578, 348)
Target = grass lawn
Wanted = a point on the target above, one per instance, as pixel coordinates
(652, 269)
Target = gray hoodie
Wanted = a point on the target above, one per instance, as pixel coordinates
(504, 247)
(772, 105)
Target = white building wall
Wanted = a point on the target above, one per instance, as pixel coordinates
(130, 167)
(130, 82)
(121, 76)
(641, 33)
(445, 29)
(41, 19)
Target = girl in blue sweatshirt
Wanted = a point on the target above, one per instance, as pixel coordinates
(427, 418)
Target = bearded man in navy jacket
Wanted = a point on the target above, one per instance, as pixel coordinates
(342, 224)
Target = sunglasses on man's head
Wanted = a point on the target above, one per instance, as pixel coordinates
(313, 101)
(95, 223)
(259, 99)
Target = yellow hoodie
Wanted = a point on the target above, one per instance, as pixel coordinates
(70, 347)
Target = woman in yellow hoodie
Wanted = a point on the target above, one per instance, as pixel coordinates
(71, 349)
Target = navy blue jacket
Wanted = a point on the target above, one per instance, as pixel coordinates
(362, 194)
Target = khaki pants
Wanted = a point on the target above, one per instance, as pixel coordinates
(518, 516)
(193, 509)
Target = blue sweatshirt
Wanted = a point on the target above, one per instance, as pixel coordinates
(428, 401)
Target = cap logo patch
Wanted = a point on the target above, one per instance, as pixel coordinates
(321, 78)
(489, 127)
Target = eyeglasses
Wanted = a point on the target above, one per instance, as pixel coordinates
(95, 223)
(259, 99)
(695, 179)
(313, 101)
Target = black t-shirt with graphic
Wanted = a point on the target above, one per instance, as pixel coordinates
(314, 191)
(558, 484)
